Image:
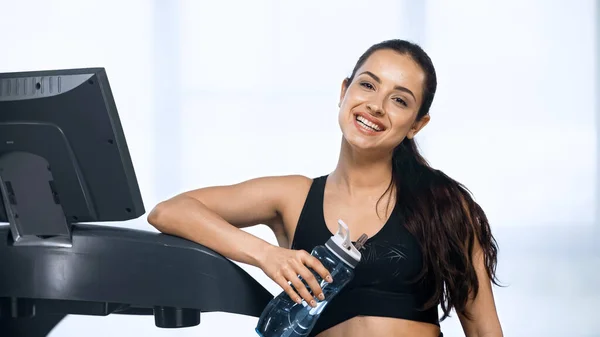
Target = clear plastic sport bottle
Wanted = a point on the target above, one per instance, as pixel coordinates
(283, 317)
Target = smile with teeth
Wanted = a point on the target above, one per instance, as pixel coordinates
(368, 124)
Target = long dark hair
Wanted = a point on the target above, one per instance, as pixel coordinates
(437, 210)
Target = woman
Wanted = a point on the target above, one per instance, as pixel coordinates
(429, 243)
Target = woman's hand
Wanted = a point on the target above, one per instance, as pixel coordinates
(283, 265)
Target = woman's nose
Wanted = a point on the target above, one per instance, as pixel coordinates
(374, 109)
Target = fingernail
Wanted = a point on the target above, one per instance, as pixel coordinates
(329, 279)
(299, 300)
(321, 296)
(313, 303)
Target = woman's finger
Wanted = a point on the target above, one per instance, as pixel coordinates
(316, 265)
(299, 287)
(283, 283)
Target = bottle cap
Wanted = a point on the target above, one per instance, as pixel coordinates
(341, 245)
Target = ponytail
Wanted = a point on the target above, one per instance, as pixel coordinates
(447, 223)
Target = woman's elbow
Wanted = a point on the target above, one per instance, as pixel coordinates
(158, 216)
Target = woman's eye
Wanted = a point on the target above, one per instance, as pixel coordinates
(400, 100)
(367, 85)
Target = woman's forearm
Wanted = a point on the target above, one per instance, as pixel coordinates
(189, 218)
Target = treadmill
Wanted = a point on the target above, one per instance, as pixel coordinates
(64, 166)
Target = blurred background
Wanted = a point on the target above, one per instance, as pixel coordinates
(216, 92)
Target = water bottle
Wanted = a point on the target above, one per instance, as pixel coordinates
(283, 317)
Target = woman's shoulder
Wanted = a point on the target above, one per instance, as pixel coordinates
(290, 190)
(291, 182)
(278, 182)
(294, 187)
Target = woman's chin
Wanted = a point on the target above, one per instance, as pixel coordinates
(367, 146)
(360, 144)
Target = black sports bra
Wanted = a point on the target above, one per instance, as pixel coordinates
(383, 283)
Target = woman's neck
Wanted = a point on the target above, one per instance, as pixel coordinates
(359, 172)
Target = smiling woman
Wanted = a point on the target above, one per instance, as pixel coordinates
(378, 90)
(430, 243)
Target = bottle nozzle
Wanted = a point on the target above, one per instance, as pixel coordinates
(360, 243)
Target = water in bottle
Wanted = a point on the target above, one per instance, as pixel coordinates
(283, 317)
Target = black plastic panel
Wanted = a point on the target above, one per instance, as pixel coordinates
(116, 270)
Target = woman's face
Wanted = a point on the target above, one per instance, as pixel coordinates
(379, 108)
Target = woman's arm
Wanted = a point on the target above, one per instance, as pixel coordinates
(484, 321)
(483, 318)
(213, 217)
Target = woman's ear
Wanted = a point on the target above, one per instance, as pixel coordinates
(418, 126)
(345, 84)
